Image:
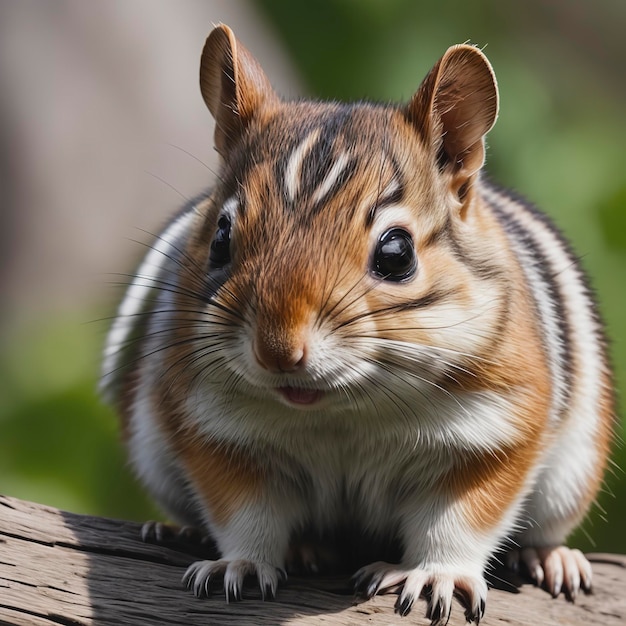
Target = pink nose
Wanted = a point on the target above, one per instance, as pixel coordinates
(279, 356)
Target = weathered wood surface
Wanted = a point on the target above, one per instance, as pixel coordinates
(63, 568)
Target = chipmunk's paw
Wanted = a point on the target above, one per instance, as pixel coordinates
(161, 533)
(555, 568)
(201, 577)
(310, 557)
(439, 588)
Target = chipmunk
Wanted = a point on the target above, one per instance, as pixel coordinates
(355, 327)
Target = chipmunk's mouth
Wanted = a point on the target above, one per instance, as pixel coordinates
(301, 397)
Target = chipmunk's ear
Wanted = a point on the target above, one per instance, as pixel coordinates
(453, 109)
(233, 85)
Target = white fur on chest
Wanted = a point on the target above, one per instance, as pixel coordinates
(353, 464)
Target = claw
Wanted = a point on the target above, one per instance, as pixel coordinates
(475, 613)
(268, 592)
(369, 580)
(372, 588)
(282, 575)
(434, 612)
(157, 532)
(160, 533)
(201, 574)
(558, 569)
(441, 587)
(403, 605)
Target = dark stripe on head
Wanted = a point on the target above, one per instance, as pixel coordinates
(346, 174)
(392, 193)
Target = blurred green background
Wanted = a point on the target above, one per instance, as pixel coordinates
(559, 140)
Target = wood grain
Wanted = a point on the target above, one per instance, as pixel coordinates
(63, 568)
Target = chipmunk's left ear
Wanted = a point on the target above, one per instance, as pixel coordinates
(454, 108)
(233, 85)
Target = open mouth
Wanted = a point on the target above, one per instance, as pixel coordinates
(302, 397)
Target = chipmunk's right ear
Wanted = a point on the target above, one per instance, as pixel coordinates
(233, 85)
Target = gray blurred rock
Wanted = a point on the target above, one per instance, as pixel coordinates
(93, 98)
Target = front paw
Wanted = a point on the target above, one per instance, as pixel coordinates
(556, 568)
(471, 588)
(201, 577)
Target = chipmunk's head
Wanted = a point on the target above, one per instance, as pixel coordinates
(332, 248)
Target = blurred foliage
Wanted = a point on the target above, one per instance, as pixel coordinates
(560, 139)
(59, 444)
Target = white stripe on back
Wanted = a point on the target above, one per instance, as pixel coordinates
(587, 357)
(138, 291)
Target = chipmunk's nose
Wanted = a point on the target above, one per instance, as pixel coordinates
(285, 311)
(280, 352)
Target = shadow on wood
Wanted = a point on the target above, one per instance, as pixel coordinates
(63, 568)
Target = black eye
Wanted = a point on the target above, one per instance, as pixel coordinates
(220, 246)
(394, 256)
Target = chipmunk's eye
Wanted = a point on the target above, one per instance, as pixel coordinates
(394, 257)
(220, 246)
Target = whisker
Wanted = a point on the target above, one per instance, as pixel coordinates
(409, 349)
(183, 254)
(195, 158)
(334, 312)
(394, 398)
(142, 338)
(180, 193)
(190, 359)
(322, 310)
(168, 346)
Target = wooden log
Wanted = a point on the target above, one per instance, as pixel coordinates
(63, 568)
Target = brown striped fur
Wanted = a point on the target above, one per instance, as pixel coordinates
(448, 389)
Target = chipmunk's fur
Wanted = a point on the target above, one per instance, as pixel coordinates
(272, 378)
